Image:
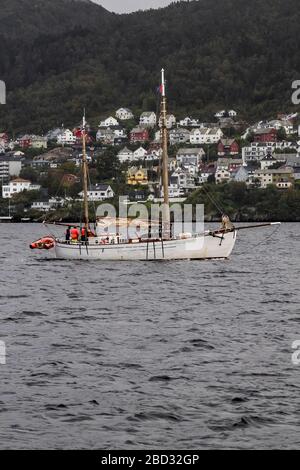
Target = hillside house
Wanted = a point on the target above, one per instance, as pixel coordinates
(125, 155)
(228, 148)
(190, 156)
(66, 138)
(148, 119)
(170, 121)
(137, 176)
(109, 122)
(189, 122)
(139, 134)
(140, 153)
(283, 177)
(99, 192)
(39, 142)
(205, 136)
(267, 161)
(179, 136)
(124, 114)
(224, 113)
(10, 167)
(18, 185)
(258, 150)
(265, 135)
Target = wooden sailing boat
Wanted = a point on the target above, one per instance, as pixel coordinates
(162, 245)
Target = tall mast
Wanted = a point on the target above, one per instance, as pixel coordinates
(85, 176)
(165, 162)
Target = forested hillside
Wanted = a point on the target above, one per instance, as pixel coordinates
(58, 56)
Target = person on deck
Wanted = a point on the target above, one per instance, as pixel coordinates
(68, 234)
(74, 235)
(83, 234)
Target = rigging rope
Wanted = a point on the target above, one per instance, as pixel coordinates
(217, 205)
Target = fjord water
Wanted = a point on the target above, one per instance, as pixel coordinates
(186, 355)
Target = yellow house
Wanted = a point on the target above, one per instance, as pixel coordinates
(137, 176)
(38, 142)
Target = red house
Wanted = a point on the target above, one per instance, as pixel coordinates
(4, 137)
(139, 134)
(228, 148)
(25, 141)
(265, 135)
(78, 134)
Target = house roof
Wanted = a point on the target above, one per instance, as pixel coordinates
(190, 151)
(265, 131)
(279, 171)
(289, 158)
(138, 130)
(134, 169)
(147, 113)
(179, 130)
(125, 150)
(124, 109)
(20, 180)
(227, 142)
(100, 187)
(268, 158)
(7, 159)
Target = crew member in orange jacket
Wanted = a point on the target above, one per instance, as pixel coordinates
(83, 234)
(74, 232)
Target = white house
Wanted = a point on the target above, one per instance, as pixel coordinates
(189, 122)
(231, 113)
(227, 168)
(17, 186)
(257, 150)
(222, 175)
(120, 132)
(179, 136)
(148, 119)
(267, 161)
(183, 179)
(54, 133)
(42, 206)
(153, 155)
(205, 136)
(170, 121)
(284, 124)
(10, 167)
(190, 156)
(124, 114)
(106, 136)
(99, 192)
(125, 155)
(109, 122)
(139, 153)
(66, 138)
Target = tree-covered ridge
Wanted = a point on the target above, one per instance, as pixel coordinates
(61, 55)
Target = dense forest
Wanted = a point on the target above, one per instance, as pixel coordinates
(57, 56)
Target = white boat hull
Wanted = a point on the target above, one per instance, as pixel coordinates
(200, 247)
